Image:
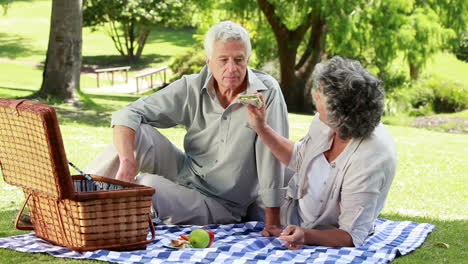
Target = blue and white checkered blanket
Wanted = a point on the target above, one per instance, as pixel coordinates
(243, 243)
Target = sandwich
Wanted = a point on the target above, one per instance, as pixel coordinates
(252, 99)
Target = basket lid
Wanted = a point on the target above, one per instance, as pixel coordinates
(32, 155)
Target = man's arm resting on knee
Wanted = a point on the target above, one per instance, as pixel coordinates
(124, 138)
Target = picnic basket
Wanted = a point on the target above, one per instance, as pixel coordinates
(72, 211)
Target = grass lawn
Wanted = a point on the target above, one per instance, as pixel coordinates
(26, 37)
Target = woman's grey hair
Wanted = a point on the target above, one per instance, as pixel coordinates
(354, 98)
(225, 31)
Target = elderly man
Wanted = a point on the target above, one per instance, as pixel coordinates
(225, 167)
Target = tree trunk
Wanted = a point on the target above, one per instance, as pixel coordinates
(414, 71)
(61, 76)
(291, 85)
(295, 78)
(142, 38)
(316, 47)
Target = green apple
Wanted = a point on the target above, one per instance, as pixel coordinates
(199, 238)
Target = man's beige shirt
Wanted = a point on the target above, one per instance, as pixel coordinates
(225, 159)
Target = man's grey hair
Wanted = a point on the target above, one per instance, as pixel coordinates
(226, 31)
(354, 98)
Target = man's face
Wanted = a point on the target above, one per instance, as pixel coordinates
(228, 63)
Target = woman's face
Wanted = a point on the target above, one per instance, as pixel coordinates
(320, 105)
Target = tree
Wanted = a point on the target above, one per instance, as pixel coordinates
(4, 4)
(290, 23)
(300, 33)
(130, 22)
(373, 31)
(425, 36)
(61, 75)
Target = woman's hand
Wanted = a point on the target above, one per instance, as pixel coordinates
(293, 236)
(257, 116)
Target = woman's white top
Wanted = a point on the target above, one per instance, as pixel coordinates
(317, 173)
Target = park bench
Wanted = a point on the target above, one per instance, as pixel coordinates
(111, 71)
(142, 77)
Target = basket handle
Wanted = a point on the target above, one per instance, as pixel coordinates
(19, 215)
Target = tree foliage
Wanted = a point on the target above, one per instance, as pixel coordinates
(299, 34)
(130, 22)
(381, 30)
(4, 4)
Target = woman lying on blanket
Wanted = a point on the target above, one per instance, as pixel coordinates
(343, 167)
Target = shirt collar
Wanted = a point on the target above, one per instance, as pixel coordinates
(253, 82)
(320, 130)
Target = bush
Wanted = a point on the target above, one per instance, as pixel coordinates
(444, 96)
(450, 97)
(426, 96)
(397, 102)
(462, 50)
(393, 79)
(189, 62)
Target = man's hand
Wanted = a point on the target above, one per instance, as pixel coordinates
(293, 236)
(257, 116)
(272, 222)
(127, 170)
(272, 230)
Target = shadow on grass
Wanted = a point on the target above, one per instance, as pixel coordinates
(89, 118)
(87, 112)
(21, 92)
(17, 89)
(121, 98)
(177, 37)
(13, 46)
(117, 61)
(91, 113)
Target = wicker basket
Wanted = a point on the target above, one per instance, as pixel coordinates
(70, 211)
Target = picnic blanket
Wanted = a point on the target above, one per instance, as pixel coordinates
(243, 243)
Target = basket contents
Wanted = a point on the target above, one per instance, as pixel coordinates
(198, 238)
(91, 186)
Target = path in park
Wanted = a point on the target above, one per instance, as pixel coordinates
(126, 88)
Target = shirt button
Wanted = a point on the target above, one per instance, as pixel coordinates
(222, 140)
(321, 201)
(224, 118)
(333, 165)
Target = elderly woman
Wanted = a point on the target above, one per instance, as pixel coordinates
(345, 164)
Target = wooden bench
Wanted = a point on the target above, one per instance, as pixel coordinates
(112, 70)
(142, 76)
